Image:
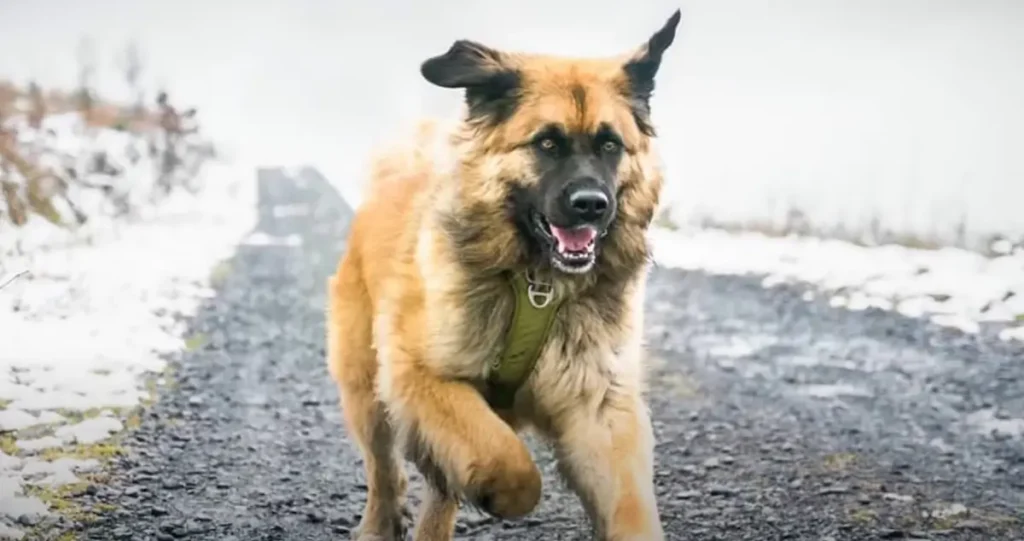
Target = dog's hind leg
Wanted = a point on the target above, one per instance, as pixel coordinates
(353, 365)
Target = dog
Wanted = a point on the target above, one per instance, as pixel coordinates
(493, 281)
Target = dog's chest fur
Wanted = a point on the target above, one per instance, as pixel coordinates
(592, 343)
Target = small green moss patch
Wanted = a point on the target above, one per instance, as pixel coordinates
(220, 273)
(839, 461)
(863, 516)
(60, 499)
(98, 451)
(8, 444)
(196, 341)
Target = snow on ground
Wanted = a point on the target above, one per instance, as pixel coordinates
(951, 287)
(83, 332)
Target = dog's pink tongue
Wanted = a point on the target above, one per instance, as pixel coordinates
(574, 240)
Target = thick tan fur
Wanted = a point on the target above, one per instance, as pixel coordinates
(420, 303)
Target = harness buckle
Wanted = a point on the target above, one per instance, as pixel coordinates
(539, 292)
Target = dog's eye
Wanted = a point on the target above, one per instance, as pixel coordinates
(548, 144)
(609, 147)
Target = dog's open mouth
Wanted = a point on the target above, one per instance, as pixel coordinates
(573, 250)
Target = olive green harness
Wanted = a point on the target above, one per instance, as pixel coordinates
(535, 309)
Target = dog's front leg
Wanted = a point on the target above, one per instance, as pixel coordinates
(606, 455)
(436, 519)
(459, 444)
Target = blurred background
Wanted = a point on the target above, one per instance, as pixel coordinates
(866, 120)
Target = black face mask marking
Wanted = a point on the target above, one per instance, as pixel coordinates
(573, 204)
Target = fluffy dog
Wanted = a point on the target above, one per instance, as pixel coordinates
(550, 179)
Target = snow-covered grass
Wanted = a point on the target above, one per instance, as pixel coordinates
(86, 324)
(949, 286)
(90, 318)
(66, 177)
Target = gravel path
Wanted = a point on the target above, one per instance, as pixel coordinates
(776, 418)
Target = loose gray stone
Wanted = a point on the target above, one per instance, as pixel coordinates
(721, 490)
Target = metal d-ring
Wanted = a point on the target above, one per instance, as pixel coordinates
(539, 292)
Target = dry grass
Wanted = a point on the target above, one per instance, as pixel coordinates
(797, 224)
(36, 104)
(30, 184)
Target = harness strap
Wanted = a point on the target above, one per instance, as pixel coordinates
(535, 310)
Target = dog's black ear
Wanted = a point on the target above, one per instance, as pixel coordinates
(490, 84)
(466, 64)
(643, 66)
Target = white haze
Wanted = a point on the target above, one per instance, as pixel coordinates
(908, 113)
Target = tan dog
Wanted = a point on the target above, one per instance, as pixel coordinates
(494, 280)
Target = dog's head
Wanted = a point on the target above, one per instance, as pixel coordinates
(556, 167)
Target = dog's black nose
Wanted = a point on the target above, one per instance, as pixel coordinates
(588, 204)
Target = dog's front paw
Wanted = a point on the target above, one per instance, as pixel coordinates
(506, 484)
